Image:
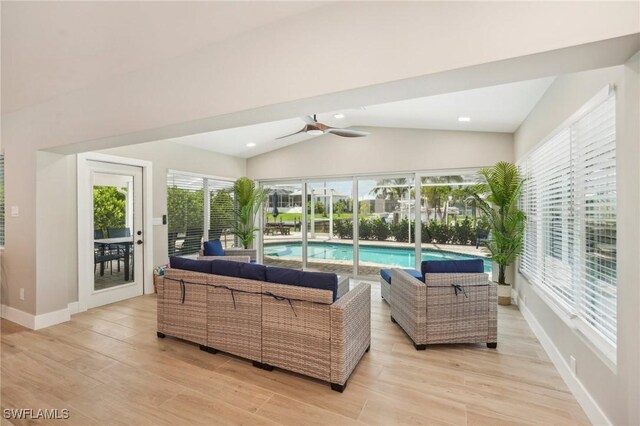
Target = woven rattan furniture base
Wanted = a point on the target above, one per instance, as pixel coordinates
(446, 308)
(295, 328)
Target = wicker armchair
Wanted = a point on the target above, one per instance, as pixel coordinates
(446, 308)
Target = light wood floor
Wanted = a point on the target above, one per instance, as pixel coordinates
(107, 367)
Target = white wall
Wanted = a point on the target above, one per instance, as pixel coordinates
(384, 150)
(56, 257)
(615, 391)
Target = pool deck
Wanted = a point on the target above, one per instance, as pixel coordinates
(364, 269)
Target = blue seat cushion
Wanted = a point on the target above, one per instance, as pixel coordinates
(452, 266)
(227, 268)
(253, 271)
(319, 280)
(213, 248)
(284, 276)
(386, 274)
(186, 264)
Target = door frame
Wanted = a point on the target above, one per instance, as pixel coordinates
(85, 236)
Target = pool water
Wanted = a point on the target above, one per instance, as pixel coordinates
(403, 257)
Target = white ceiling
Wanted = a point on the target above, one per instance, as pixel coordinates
(491, 109)
(53, 48)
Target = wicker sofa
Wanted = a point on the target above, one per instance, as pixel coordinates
(445, 307)
(311, 331)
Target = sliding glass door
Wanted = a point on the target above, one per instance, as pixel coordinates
(386, 217)
(359, 225)
(281, 225)
(330, 226)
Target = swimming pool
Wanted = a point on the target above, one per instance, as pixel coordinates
(403, 257)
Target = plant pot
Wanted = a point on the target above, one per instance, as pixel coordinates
(504, 294)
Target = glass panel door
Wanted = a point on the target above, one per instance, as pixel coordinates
(117, 232)
(386, 217)
(282, 224)
(452, 226)
(330, 226)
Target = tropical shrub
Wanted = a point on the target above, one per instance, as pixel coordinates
(497, 198)
(249, 199)
(400, 230)
(440, 232)
(426, 233)
(380, 230)
(364, 229)
(463, 233)
(343, 228)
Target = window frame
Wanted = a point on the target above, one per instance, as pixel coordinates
(571, 314)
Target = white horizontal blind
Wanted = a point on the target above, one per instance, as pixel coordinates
(594, 147)
(221, 205)
(529, 264)
(185, 211)
(570, 202)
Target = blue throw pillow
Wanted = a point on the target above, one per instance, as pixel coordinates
(213, 248)
(186, 264)
(227, 268)
(452, 266)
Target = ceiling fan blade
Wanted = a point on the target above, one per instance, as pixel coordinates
(347, 133)
(304, 129)
(308, 119)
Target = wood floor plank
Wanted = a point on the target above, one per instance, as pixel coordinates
(107, 366)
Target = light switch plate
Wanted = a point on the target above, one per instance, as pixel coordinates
(15, 211)
(157, 221)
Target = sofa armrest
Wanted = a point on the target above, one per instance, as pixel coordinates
(409, 304)
(343, 286)
(241, 252)
(350, 331)
(233, 258)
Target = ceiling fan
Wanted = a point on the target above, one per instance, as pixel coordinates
(315, 128)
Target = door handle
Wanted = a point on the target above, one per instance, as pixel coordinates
(139, 242)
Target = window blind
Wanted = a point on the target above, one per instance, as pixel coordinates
(594, 148)
(221, 205)
(570, 201)
(185, 213)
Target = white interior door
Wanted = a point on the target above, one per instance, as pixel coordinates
(117, 206)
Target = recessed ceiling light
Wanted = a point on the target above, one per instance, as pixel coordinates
(339, 115)
(464, 119)
(251, 144)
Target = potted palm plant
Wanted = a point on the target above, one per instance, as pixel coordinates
(497, 197)
(248, 202)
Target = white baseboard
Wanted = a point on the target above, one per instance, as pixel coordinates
(584, 398)
(35, 322)
(19, 317)
(52, 318)
(74, 308)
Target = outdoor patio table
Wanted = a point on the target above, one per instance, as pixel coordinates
(127, 242)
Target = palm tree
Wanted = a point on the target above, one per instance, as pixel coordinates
(248, 199)
(390, 189)
(497, 198)
(435, 193)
